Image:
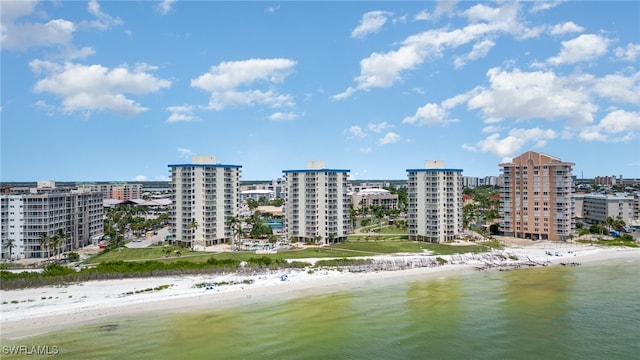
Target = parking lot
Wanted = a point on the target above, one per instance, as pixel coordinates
(146, 241)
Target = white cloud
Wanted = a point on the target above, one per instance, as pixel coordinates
(389, 138)
(278, 116)
(140, 178)
(95, 87)
(583, 48)
(366, 150)
(72, 53)
(377, 128)
(442, 7)
(565, 28)
(510, 145)
(272, 9)
(429, 114)
(436, 114)
(529, 95)
(184, 153)
(104, 21)
(231, 74)
(617, 87)
(26, 35)
(490, 129)
(223, 81)
(357, 131)
(381, 70)
(165, 6)
(630, 53)
(182, 113)
(15, 9)
(617, 126)
(371, 22)
(480, 50)
(544, 5)
(424, 15)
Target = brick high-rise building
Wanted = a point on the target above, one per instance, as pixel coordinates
(537, 198)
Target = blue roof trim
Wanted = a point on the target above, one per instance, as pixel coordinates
(315, 170)
(434, 170)
(206, 165)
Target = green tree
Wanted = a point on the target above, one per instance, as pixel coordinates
(379, 213)
(252, 204)
(57, 241)
(469, 214)
(609, 222)
(596, 229)
(353, 215)
(193, 225)
(10, 244)
(494, 229)
(44, 241)
(619, 224)
(73, 256)
(277, 202)
(235, 224)
(492, 214)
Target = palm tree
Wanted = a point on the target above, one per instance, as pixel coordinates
(58, 239)
(379, 214)
(609, 222)
(236, 227)
(44, 241)
(193, 225)
(619, 224)
(331, 238)
(10, 244)
(353, 216)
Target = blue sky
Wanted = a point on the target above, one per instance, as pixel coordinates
(101, 91)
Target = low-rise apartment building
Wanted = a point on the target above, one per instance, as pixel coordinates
(596, 208)
(367, 198)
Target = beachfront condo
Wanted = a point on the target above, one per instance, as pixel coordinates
(435, 203)
(537, 200)
(31, 214)
(316, 204)
(204, 195)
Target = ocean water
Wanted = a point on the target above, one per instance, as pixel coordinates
(582, 312)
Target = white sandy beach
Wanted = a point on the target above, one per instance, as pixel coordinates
(33, 311)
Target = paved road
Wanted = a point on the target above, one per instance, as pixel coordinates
(146, 241)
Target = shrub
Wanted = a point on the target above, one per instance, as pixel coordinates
(73, 256)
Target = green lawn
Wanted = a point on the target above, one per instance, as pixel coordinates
(348, 249)
(391, 247)
(148, 253)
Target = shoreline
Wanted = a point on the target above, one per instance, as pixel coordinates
(36, 311)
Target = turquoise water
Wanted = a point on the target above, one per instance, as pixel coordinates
(275, 224)
(583, 312)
